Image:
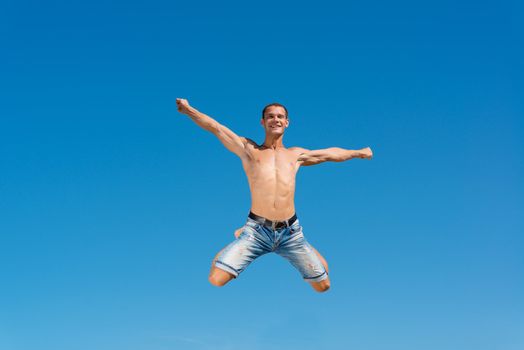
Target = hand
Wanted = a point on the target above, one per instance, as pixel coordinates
(366, 153)
(182, 105)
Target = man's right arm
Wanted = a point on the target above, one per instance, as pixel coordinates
(232, 141)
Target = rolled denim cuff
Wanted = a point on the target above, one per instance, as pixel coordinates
(226, 268)
(321, 277)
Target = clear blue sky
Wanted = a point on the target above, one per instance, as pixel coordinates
(112, 204)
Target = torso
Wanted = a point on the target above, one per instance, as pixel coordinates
(271, 175)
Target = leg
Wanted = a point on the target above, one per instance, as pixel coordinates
(238, 231)
(236, 256)
(324, 262)
(217, 276)
(306, 259)
(323, 285)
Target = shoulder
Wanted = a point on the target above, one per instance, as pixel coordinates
(248, 142)
(250, 147)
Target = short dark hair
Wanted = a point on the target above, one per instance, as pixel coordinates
(274, 104)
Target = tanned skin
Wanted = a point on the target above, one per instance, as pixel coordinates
(271, 169)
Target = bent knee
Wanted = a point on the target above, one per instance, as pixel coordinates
(217, 282)
(219, 278)
(321, 286)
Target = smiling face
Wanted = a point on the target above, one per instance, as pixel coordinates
(275, 120)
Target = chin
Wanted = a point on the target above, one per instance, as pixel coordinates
(275, 131)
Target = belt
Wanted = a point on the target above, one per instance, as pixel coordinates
(273, 224)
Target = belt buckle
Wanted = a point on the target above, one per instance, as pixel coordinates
(279, 224)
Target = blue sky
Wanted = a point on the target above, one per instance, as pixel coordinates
(112, 204)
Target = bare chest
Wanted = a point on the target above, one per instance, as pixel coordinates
(268, 162)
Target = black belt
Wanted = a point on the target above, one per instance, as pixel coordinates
(273, 224)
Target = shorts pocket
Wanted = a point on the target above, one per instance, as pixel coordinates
(255, 226)
(295, 229)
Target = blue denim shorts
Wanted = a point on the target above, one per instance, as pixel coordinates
(257, 240)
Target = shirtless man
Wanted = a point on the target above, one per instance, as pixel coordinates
(272, 225)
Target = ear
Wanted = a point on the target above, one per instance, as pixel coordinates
(262, 121)
(287, 122)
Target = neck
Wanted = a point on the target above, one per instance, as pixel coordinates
(274, 141)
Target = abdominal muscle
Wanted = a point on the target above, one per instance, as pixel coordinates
(272, 189)
(271, 205)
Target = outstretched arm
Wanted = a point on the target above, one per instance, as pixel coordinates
(232, 141)
(333, 154)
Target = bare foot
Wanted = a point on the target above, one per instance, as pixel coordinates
(238, 232)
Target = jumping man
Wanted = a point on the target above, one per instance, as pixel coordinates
(272, 225)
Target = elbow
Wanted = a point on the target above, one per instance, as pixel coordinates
(335, 155)
(213, 128)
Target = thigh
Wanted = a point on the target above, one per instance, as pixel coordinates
(237, 255)
(304, 257)
(322, 260)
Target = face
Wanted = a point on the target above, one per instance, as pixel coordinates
(275, 120)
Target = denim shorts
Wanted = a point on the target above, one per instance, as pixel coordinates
(257, 240)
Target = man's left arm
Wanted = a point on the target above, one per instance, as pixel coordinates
(333, 154)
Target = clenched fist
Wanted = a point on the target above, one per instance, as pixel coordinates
(182, 105)
(366, 153)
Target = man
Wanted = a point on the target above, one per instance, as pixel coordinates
(272, 225)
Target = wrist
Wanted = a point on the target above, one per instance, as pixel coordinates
(353, 154)
(190, 111)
